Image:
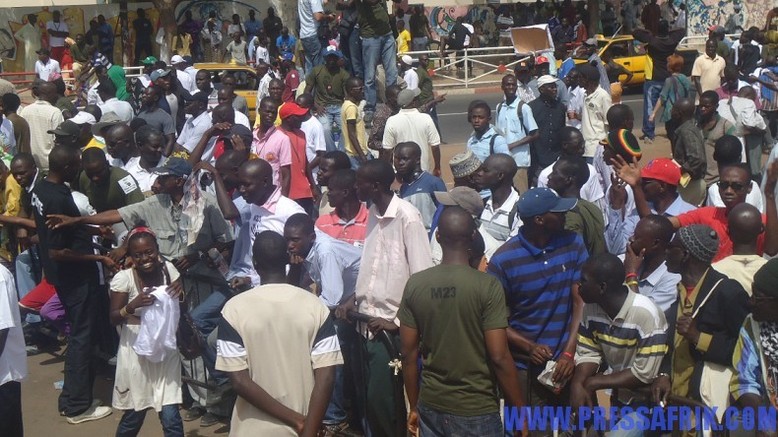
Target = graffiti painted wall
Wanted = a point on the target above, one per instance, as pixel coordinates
(747, 13)
(12, 20)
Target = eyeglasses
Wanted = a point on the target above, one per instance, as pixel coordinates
(736, 186)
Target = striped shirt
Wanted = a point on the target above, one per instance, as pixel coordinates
(636, 339)
(353, 231)
(752, 375)
(537, 284)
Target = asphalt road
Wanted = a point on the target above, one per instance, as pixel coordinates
(453, 113)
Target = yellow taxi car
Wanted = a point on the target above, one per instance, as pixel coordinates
(631, 53)
(246, 81)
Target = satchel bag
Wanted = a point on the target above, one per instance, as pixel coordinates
(188, 338)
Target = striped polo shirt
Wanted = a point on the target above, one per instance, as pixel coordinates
(537, 284)
(636, 339)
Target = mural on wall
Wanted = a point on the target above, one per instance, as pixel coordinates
(17, 51)
(729, 14)
(442, 19)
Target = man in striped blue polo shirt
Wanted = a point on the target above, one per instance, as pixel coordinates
(539, 269)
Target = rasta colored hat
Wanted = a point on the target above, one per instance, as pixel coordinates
(701, 241)
(624, 143)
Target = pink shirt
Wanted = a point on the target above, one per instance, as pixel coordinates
(275, 148)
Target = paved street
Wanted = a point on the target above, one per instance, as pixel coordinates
(40, 398)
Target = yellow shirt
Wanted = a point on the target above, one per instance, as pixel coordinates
(278, 118)
(403, 41)
(350, 111)
(12, 197)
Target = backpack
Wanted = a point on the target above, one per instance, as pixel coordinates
(518, 112)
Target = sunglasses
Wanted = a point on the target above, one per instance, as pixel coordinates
(734, 185)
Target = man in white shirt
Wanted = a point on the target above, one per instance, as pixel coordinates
(45, 66)
(594, 124)
(184, 78)
(43, 116)
(410, 76)
(58, 31)
(107, 92)
(410, 125)
(13, 357)
(315, 144)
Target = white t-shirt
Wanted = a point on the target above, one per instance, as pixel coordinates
(57, 41)
(263, 54)
(186, 79)
(44, 71)
(305, 11)
(411, 78)
(472, 32)
(314, 140)
(13, 361)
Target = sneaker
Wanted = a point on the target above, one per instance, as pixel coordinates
(193, 414)
(209, 419)
(93, 413)
(337, 429)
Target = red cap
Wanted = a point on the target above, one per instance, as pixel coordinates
(291, 108)
(541, 60)
(663, 170)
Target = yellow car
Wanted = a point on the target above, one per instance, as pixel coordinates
(246, 84)
(631, 53)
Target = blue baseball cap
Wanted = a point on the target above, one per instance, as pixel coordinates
(539, 201)
(175, 167)
(332, 51)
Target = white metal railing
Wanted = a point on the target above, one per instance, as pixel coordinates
(489, 59)
(697, 41)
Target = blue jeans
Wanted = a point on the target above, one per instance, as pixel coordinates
(206, 317)
(132, 421)
(651, 90)
(375, 49)
(25, 279)
(332, 115)
(313, 52)
(434, 423)
(355, 162)
(336, 410)
(355, 53)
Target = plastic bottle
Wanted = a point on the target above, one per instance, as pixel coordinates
(218, 260)
(335, 133)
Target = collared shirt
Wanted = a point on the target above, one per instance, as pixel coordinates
(660, 286)
(193, 131)
(353, 231)
(42, 117)
(538, 283)
(594, 125)
(334, 266)
(121, 108)
(410, 125)
(503, 222)
(576, 104)
(275, 148)
(551, 118)
(636, 339)
(163, 216)
(45, 71)
(709, 70)
(396, 247)
(526, 93)
(512, 128)
(254, 219)
(144, 177)
(421, 194)
(484, 146)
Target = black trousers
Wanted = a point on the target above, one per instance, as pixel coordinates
(86, 308)
(11, 409)
(142, 46)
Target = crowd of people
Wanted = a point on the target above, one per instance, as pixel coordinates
(314, 274)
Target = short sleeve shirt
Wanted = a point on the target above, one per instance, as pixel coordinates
(305, 11)
(710, 71)
(159, 120)
(275, 148)
(455, 380)
(350, 111)
(515, 129)
(120, 190)
(373, 19)
(328, 89)
(288, 324)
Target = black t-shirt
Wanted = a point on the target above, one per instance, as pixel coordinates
(50, 198)
(142, 28)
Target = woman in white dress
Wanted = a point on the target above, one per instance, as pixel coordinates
(141, 384)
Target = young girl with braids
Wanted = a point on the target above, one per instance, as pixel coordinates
(141, 384)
